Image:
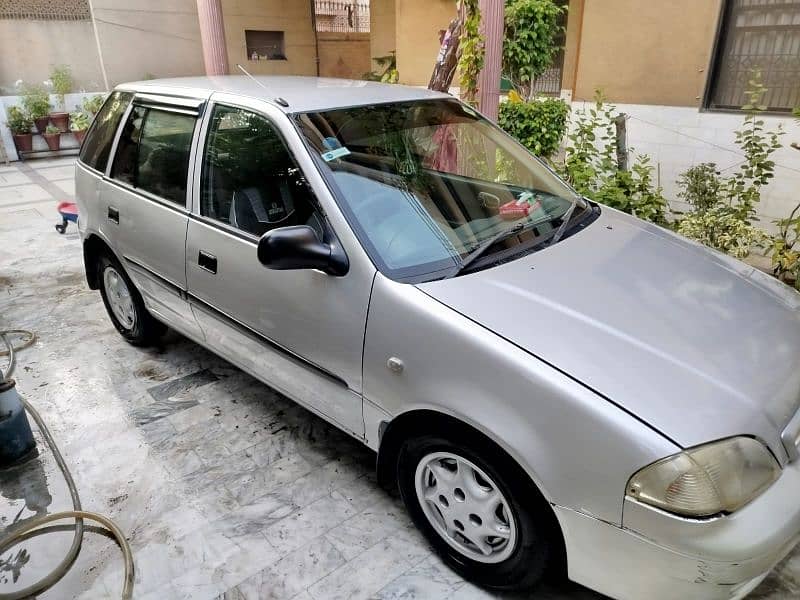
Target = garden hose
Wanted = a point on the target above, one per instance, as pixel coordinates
(29, 529)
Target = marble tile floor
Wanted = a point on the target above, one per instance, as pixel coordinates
(226, 489)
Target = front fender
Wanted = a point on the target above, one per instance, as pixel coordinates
(577, 447)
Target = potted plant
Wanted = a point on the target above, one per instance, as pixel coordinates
(52, 135)
(61, 80)
(92, 104)
(78, 124)
(36, 102)
(20, 122)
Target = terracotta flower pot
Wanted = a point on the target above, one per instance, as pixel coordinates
(79, 135)
(23, 141)
(60, 120)
(41, 123)
(53, 140)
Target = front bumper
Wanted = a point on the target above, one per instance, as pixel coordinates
(660, 556)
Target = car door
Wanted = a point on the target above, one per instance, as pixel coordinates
(146, 200)
(301, 331)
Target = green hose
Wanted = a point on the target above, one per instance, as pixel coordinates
(77, 513)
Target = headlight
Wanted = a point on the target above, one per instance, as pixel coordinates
(707, 480)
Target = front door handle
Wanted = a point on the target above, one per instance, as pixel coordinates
(207, 262)
(113, 215)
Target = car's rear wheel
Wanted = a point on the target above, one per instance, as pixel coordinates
(487, 522)
(125, 306)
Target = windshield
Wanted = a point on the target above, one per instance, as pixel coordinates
(427, 183)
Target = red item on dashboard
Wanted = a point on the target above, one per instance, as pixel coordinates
(515, 209)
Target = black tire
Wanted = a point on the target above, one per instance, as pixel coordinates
(538, 546)
(146, 330)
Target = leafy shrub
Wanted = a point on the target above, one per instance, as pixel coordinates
(721, 227)
(784, 251)
(531, 27)
(36, 101)
(79, 121)
(590, 165)
(743, 188)
(539, 125)
(19, 120)
(725, 207)
(387, 69)
(61, 78)
(701, 186)
(52, 129)
(93, 104)
(471, 50)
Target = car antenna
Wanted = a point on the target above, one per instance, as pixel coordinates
(279, 100)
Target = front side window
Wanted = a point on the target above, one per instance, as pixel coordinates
(153, 152)
(97, 145)
(249, 179)
(428, 183)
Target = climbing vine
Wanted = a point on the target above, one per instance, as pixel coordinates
(471, 50)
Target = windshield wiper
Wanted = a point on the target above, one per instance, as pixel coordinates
(481, 248)
(564, 222)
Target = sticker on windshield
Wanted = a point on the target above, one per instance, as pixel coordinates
(333, 154)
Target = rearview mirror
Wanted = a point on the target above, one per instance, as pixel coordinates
(298, 247)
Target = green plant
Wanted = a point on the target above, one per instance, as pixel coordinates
(531, 27)
(722, 227)
(725, 207)
(92, 104)
(52, 129)
(785, 250)
(79, 121)
(471, 51)
(19, 120)
(743, 188)
(387, 69)
(61, 77)
(701, 186)
(35, 100)
(539, 125)
(590, 165)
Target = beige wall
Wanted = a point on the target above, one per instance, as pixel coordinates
(573, 34)
(159, 38)
(293, 17)
(646, 52)
(344, 55)
(29, 49)
(149, 38)
(418, 24)
(382, 28)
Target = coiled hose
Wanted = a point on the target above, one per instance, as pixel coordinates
(77, 513)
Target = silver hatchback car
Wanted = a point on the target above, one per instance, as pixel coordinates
(547, 381)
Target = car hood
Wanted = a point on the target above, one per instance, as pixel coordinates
(694, 343)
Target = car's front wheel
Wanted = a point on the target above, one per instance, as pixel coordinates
(125, 306)
(486, 520)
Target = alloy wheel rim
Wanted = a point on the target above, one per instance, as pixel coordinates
(119, 298)
(465, 507)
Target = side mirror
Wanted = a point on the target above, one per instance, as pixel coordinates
(298, 247)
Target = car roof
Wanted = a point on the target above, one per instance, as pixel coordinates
(302, 94)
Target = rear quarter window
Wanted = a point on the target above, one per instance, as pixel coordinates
(97, 145)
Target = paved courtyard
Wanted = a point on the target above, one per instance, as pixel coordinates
(225, 488)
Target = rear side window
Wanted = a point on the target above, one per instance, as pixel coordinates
(97, 146)
(153, 152)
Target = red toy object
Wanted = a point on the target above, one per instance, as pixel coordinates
(68, 212)
(516, 209)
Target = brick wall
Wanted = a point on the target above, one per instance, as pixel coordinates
(345, 55)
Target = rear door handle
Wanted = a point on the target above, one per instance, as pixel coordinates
(113, 215)
(207, 262)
